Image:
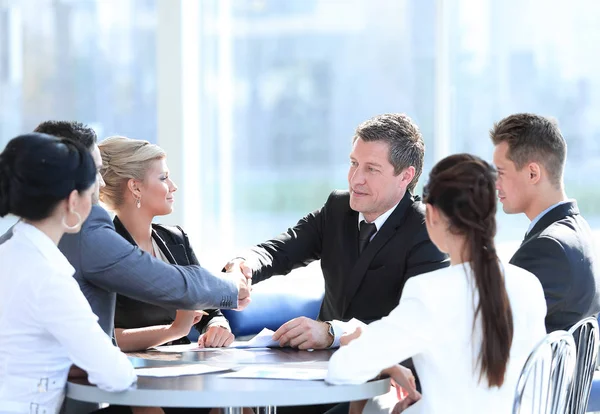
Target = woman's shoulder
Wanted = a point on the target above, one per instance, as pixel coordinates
(173, 234)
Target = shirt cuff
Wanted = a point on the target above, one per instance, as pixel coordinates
(339, 329)
(217, 321)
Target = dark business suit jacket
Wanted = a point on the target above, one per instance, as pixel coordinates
(559, 250)
(365, 287)
(175, 245)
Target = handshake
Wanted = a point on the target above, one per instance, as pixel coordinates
(243, 276)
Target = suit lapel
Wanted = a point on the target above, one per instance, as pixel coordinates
(387, 231)
(172, 252)
(120, 228)
(557, 213)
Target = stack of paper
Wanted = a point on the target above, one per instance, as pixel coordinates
(264, 339)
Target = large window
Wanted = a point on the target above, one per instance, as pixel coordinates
(280, 85)
(86, 60)
(301, 75)
(529, 56)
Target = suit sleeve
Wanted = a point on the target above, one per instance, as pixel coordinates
(545, 257)
(215, 317)
(112, 263)
(396, 337)
(297, 247)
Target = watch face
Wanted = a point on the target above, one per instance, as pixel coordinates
(331, 330)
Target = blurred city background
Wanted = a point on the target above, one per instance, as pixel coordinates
(256, 101)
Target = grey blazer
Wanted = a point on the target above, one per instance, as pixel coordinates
(106, 264)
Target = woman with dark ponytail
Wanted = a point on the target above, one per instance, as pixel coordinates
(46, 324)
(470, 327)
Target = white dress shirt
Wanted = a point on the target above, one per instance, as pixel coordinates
(46, 324)
(433, 324)
(341, 327)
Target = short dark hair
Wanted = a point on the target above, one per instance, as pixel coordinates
(37, 171)
(404, 138)
(533, 138)
(75, 131)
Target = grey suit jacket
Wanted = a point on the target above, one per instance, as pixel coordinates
(106, 264)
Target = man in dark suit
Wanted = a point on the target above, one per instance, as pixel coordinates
(369, 239)
(558, 248)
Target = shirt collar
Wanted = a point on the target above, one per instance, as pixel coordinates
(379, 220)
(543, 213)
(44, 245)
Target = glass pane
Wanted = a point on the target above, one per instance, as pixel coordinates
(85, 60)
(511, 56)
(301, 75)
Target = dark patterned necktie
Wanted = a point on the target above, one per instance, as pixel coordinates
(367, 230)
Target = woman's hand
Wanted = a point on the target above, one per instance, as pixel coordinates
(347, 338)
(406, 387)
(185, 320)
(216, 337)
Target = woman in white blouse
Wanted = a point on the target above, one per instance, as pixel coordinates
(468, 328)
(46, 324)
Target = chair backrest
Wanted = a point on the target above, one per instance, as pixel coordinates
(585, 334)
(546, 380)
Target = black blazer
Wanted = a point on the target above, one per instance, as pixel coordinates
(559, 250)
(174, 244)
(366, 287)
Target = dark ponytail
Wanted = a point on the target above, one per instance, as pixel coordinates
(37, 171)
(4, 188)
(462, 187)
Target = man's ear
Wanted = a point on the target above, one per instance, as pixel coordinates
(535, 172)
(407, 175)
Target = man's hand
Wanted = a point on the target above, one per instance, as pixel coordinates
(239, 263)
(304, 333)
(244, 289)
(349, 337)
(215, 337)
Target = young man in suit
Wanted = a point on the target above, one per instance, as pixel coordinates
(369, 239)
(530, 154)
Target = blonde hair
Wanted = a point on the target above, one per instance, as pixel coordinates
(124, 159)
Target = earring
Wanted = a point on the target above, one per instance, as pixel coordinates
(139, 202)
(75, 227)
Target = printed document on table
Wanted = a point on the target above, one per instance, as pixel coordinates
(275, 372)
(182, 348)
(178, 370)
(264, 339)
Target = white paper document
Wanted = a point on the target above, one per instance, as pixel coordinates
(264, 339)
(178, 370)
(275, 372)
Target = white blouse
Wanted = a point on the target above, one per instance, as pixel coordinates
(46, 324)
(433, 324)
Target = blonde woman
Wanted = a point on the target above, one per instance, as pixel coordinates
(139, 188)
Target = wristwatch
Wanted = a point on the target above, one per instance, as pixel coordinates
(331, 333)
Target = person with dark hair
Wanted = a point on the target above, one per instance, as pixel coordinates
(469, 328)
(370, 239)
(75, 131)
(48, 183)
(106, 264)
(530, 154)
